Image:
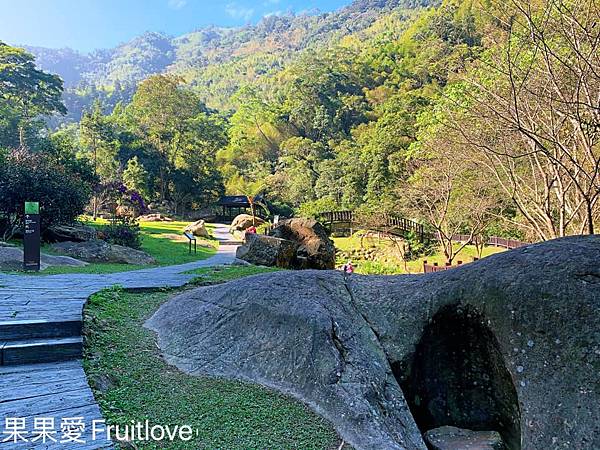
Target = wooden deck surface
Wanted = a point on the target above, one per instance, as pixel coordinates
(60, 390)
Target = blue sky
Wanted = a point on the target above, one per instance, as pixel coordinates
(91, 24)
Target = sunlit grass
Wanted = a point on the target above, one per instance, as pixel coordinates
(142, 386)
(222, 274)
(389, 261)
(162, 240)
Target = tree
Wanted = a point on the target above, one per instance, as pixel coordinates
(161, 108)
(449, 193)
(96, 134)
(135, 177)
(298, 170)
(30, 91)
(534, 99)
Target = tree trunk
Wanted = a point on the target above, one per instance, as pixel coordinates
(21, 136)
(590, 218)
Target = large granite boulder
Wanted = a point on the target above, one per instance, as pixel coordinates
(11, 259)
(267, 251)
(102, 252)
(243, 222)
(510, 344)
(197, 228)
(70, 233)
(315, 249)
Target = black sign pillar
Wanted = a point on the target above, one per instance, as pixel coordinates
(31, 240)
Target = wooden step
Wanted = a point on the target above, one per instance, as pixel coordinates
(38, 329)
(31, 351)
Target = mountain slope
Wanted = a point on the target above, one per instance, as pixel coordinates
(217, 61)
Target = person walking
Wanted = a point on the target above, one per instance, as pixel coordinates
(348, 269)
(249, 230)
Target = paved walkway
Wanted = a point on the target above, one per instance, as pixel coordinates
(60, 390)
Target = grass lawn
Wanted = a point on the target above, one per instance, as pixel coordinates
(141, 386)
(163, 240)
(222, 274)
(389, 262)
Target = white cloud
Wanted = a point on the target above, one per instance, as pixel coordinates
(274, 13)
(177, 4)
(239, 12)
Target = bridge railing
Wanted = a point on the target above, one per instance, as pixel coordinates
(386, 221)
(492, 240)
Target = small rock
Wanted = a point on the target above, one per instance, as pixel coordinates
(11, 258)
(156, 217)
(197, 228)
(102, 382)
(315, 249)
(452, 438)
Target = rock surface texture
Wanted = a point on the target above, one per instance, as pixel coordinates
(198, 228)
(452, 438)
(11, 259)
(243, 222)
(154, 217)
(72, 233)
(517, 335)
(267, 251)
(312, 248)
(315, 249)
(101, 251)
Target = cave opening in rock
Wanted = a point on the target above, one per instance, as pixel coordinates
(457, 376)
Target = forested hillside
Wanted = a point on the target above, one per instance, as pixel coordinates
(216, 61)
(469, 116)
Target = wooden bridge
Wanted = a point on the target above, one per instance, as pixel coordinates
(389, 223)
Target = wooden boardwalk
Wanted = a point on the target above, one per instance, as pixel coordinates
(40, 343)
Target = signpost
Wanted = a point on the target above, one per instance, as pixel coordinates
(31, 240)
(191, 238)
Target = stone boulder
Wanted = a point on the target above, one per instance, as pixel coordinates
(510, 343)
(127, 211)
(71, 233)
(315, 249)
(156, 217)
(198, 228)
(11, 259)
(243, 222)
(267, 251)
(452, 438)
(102, 252)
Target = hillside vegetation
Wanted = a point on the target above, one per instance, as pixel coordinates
(469, 116)
(216, 61)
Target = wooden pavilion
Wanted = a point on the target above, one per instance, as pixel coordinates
(229, 206)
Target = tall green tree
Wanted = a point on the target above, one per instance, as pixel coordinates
(161, 108)
(30, 91)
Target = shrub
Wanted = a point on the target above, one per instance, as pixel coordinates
(114, 195)
(122, 231)
(25, 176)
